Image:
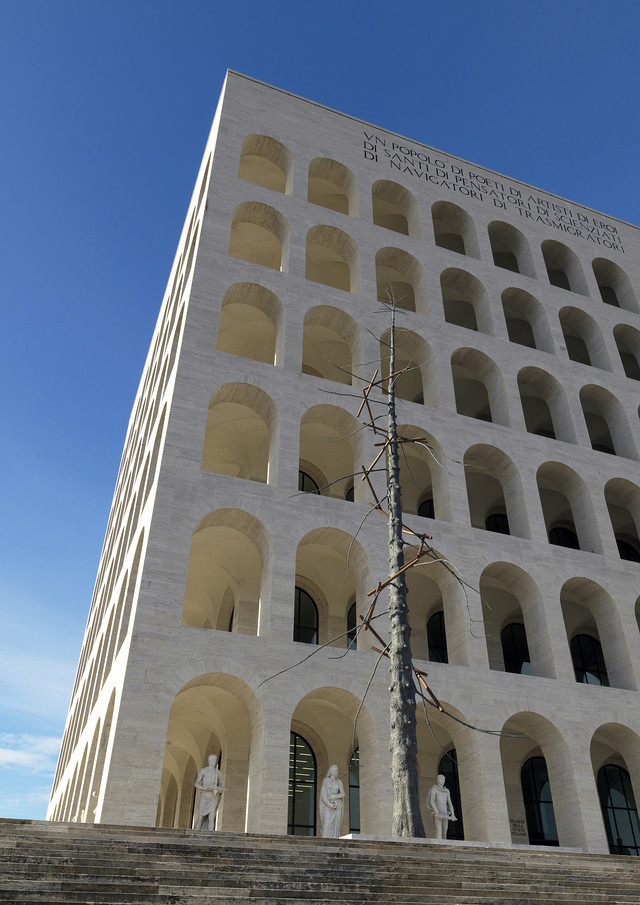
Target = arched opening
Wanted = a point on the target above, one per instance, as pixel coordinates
(515, 628)
(526, 320)
(437, 638)
(330, 341)
(250, 318)
(615, 755)
(260, 235)
(510, 249)
(305, 618)
(423, 477)
(544, 405)
(333, 259)
(332, 185)
(628, 343)
(465, 301)
(330, 441)
(267, 162)
(399, 275)
(494, 491)
(562, 493)
(241, 420)
(301, 820)
(333, 570)
(537, 772)
(225, 581)
(623, 502)
(614, 285)
(419, 382)
(212, 714)
(325, 719)
(454, 229)
(563, 267)
(594, 632)
(583, 338)
(478, 387)
(448, 767)
(606, 422)
(395, 208)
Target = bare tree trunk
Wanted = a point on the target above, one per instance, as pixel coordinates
(402, 699)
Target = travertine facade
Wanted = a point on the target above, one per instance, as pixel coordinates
(521, 316)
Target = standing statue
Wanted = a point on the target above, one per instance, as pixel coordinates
(439, 801)
(211, 789)
(331, 805)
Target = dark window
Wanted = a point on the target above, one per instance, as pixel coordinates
(448, 766)
(302, 788)
(351, 627)
(305, 618)
(630, 364)
(627, 551)
(577, 349)
(354, 792)
(350, 497)
(515, 649)
(564, 537)
(609, 296)
(619, 810)
(507, 260)
(437, 638)
(558, 278)
(538, 805)
(425, 509)
(306, 484)
(588, 661)
(498, 523)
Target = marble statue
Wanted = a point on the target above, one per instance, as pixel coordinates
(439, 801)
(211, 789)
(331, 805)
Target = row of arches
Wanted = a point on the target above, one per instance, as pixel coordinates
(267, 162)
(252, 319)
(260, 235)
(218, 714)
(228, 583)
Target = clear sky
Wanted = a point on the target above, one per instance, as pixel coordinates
(105, 109)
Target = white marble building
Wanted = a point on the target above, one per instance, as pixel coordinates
(521, 314)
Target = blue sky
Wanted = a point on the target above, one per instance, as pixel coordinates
(105, 109)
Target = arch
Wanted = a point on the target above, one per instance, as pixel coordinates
(217, 714)
(334, 570)
(494, 487)
(419, 383)
(399, 273)
(454, 229)
(615, 757)
(465, 301)
(563, 267)
(226, 575)
(566, 506)
(423, 475)
(540, 739)
(241, 422)
(628, 343)
(544, 405)
(95, 796)
(330, 444)
(478, 387)
(606, 422)
(260, 235)
(510, 248)
(614, 285)
(332, 185)
(331, 342)
(267, 162)
(623, 502)
(583, 338)
(303, 782)
(251, 317)
(395, 208)
(332, 259)
(589, 612)
(511, 597)
(526, 320)
(325, 717)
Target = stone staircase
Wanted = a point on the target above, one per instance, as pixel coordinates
(66, 863)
